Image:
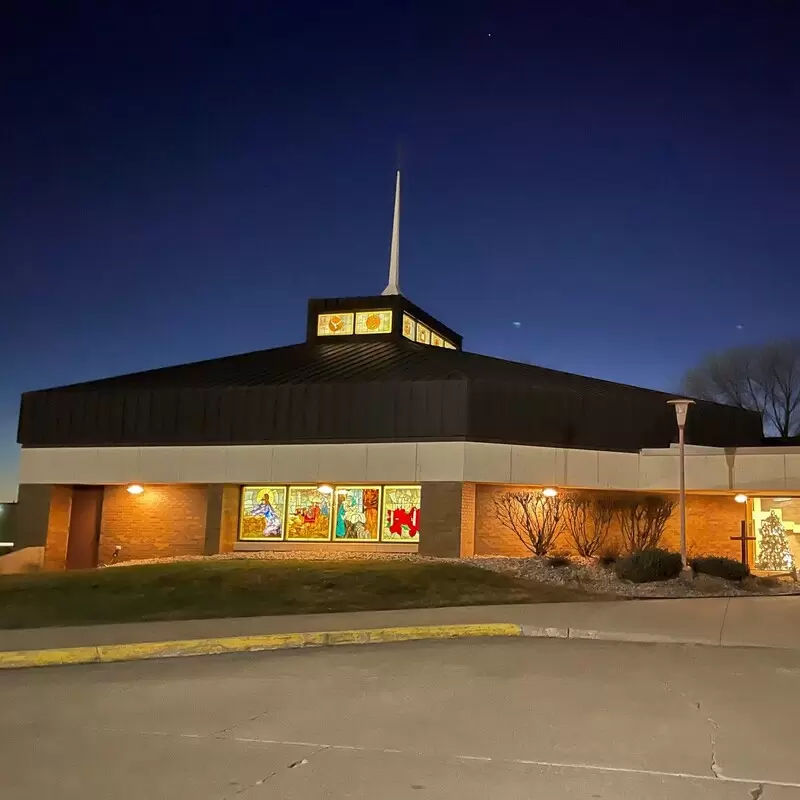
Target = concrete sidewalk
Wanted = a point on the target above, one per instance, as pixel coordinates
(745, 621)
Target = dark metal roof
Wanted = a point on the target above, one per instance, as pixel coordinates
(301, 363)
(373, 390)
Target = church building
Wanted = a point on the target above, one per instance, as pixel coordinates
(379, 432)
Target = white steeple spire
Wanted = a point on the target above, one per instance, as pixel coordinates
(393, 287)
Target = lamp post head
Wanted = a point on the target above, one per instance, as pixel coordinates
(681, 409)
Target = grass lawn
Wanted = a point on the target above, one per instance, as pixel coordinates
(243, 588)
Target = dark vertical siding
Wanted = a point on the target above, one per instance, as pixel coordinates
(391, 410)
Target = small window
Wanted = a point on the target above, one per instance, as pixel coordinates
(373, 322)
(335, 324)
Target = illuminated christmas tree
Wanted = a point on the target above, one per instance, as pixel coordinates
(773, 551)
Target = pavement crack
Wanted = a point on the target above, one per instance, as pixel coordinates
(716, 769)
(724, 618)
(302, 761)
(242, 789)
(239, 722)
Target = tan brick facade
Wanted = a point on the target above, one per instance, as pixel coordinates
(710, 522)
(442, 515)
(163, 521)
(55, 551)
(468, 493)
(492, 538)
(459, 520)
(229, 524)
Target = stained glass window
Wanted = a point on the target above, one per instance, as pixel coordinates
(308, 516)
(401, 510)
(263, 513)
(373, 322)
(423, 334)
(335, 324)
(437, 340)
(357, 509)
(448, 345)
(409, 327)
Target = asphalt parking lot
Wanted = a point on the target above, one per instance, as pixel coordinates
(519, 718)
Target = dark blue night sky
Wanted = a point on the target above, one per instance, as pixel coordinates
(178, 178)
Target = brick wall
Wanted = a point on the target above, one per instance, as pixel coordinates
(710, 522)
(229, 525)
(163, 521)
(468, 520)
(492, 538)
(213, 518)
(441, 520)
(55, 551)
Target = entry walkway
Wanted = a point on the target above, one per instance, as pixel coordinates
(741, 621)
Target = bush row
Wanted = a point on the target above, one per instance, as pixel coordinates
(656, 564)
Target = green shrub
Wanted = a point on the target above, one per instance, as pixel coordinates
(559, 561)
(721, 567)
(608, 559)
(654, 564)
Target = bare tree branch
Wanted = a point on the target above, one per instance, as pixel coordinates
(642, 519)
(587, 519)
(536, 520)
(762, 378)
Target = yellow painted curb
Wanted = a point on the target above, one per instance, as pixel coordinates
(12, 659)
(245, 644)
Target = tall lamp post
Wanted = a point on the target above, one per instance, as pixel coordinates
(681, 410)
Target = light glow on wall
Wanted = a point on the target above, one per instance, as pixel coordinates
(135, 488)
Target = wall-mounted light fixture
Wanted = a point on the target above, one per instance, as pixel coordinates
(549, 492)
(740, 498)
(325, 488)
(135, 488)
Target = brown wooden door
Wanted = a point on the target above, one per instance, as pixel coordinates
(84, 527)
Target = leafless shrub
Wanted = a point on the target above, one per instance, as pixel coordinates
(535, 519)
(587, 519)
(642, 519)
